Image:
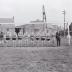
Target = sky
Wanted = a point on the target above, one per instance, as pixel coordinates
(25, 11)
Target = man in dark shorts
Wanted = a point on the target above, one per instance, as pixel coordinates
(58, 39)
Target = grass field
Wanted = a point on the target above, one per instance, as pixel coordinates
(36, 59)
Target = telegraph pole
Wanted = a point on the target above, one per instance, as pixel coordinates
(64, 12)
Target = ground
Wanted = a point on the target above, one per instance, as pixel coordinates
(36, 59)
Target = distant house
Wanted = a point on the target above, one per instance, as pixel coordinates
(7, 24)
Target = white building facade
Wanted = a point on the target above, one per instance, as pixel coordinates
(7, 25)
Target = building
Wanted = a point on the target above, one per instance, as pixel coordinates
(7, 24)
(38, 28)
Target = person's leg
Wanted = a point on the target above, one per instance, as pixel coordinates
(57, 42)
(0, 41)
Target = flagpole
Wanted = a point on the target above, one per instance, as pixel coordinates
(64, 12)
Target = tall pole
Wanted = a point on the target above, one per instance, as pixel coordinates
(64, 12)
(44, 19)
(44, 14)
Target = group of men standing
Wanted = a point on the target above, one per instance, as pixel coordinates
(3, 37)
(58, 39)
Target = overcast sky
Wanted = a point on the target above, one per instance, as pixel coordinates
(25, 11)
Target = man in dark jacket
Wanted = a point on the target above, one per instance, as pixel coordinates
(1, 37)
(58, 38)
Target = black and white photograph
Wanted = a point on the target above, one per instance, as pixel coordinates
(35, 35)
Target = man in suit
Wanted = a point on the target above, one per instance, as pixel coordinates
(1, 37)
(58, 39)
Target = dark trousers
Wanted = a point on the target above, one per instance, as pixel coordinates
(58, 42)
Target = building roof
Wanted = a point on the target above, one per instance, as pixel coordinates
(6, 20)
(7, 26)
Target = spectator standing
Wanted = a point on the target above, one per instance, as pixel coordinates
(58, 39)
(1, 37)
